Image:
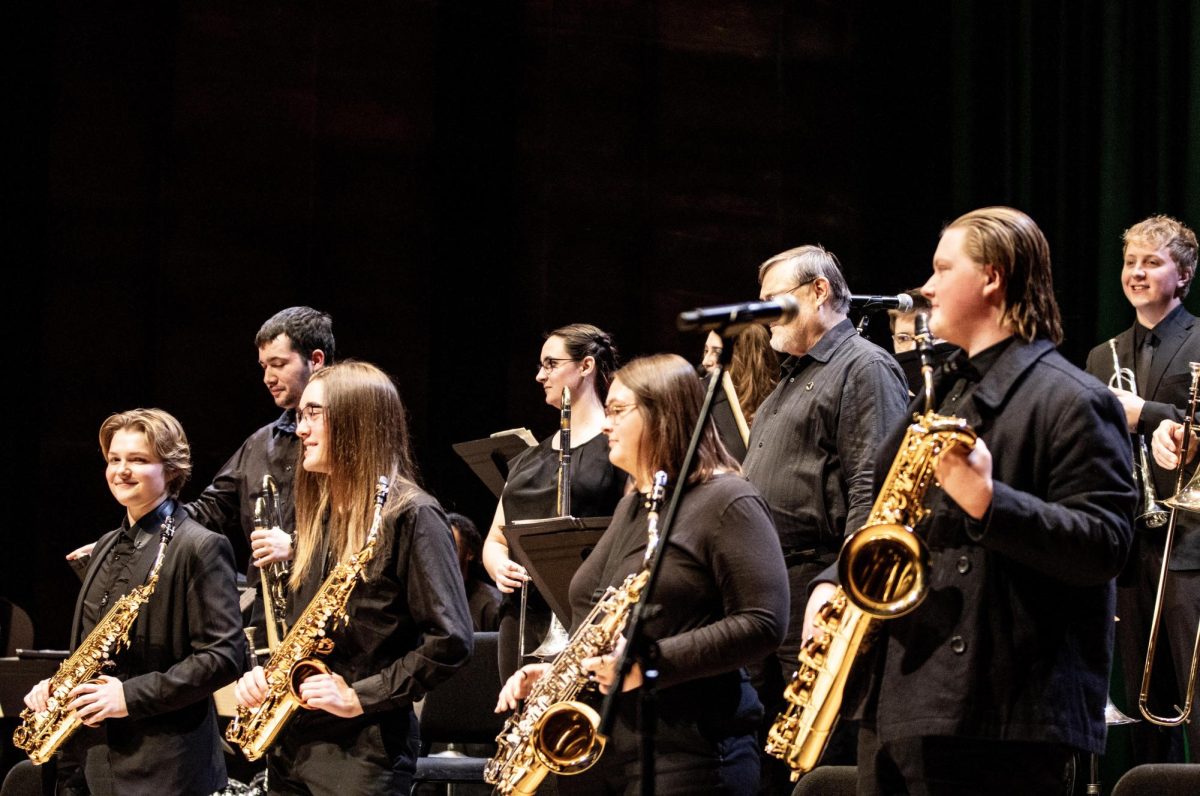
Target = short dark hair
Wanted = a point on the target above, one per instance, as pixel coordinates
(468, 532)
(919, 304)
(308, 329)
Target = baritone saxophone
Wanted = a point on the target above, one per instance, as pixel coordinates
(254, 729)
(883, 568)
(41, 733)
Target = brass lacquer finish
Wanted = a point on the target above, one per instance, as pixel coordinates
(41, 733)
(297, 657)
(554, 732)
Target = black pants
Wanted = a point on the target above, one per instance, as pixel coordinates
(1172, 664)
(772, 675)
(369, 761)
(951, 766)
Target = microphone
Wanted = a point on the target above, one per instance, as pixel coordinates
(902, 302)
(728, 317)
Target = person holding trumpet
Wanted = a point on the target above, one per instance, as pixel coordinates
(1153, 354)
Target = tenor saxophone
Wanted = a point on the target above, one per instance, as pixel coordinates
(554, 732)
(254, 729)
(41, 733)
(883, 568)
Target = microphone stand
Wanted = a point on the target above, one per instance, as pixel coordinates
(640, 648)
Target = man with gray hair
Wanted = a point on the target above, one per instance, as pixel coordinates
(814, 438)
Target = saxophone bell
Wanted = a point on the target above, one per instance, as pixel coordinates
(565, 739)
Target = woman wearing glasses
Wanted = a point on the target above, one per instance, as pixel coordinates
(408, 627)
(582, 358)
(722, 595)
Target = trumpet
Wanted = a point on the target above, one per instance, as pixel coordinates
(1184, 499)
(1152, 514)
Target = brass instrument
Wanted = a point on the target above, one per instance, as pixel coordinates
(1152, 515)
(274, 576)
(556, 635)
(555, 733)
(1185, 500)
(254, 729)
(41, 733)
(883, 569)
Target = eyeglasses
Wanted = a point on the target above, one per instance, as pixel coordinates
(615, 412)
(550, 363)
(773, 296)
(309, 412)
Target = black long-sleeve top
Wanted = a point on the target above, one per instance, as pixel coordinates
(227, 504)
(409, 626)
(723, 592)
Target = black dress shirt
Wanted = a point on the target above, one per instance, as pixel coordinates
(814, 438)
(409, 626)
(227, 504)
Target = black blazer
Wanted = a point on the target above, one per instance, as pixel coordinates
(1014, 639)
(1166, 393)
(186, 643)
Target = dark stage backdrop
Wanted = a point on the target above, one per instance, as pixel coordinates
(453, 179)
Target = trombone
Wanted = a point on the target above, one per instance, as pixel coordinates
(1185, 499)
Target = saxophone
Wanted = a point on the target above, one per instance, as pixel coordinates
(555, 732)
(41, 733)
(254, 729)
(882, 568)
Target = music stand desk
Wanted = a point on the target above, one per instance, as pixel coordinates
(488, 457)
(552, 549)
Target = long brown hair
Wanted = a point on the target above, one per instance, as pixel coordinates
(669, 397)
(366, 429)
(754, 369)
(1010, 241)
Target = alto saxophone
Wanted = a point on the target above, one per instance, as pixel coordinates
(41, 733)
(254, 729)
(554, 732)
(882, 568)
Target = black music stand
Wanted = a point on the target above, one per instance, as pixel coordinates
(488, 457)
(551, 550)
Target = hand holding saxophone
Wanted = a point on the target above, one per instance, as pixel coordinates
(270, 546)
(331, 693)
(519, 685)
(251, 689)
(99, 699)
(603, 669)
(328, 692)
(966, 476)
